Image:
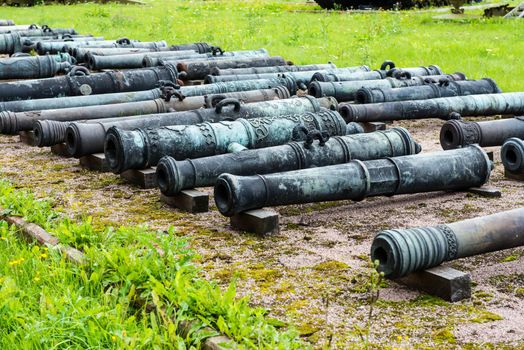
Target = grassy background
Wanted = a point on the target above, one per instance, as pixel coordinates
(478, 47)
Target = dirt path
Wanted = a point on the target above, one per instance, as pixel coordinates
(315, 272)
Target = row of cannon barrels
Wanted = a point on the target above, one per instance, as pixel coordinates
(265, 132)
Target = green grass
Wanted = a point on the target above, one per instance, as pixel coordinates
(133, 292)
(478, 47)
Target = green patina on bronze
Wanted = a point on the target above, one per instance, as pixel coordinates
(87, 138)
(80, 82)
(356, 180)
(345, 91)
(174, 175)
(141, 148)
(403, 251)
(443, 88)
(511, 103)
(50, 125)
(458, 133)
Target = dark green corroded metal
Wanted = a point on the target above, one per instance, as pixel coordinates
(80, 54)
(87, 138)
(80, 82)
(512, 155)
(458, 133)
(49, 126)
(198, 69)
(302, 77)
(276, 69)
(242, 85)
(55, 46)
(129, 61)
(447, 170)
(198, 47)
(142, 148)
(29, 44)
(379, 73)
(174, 176)
(125, 43)
(444, 88)
(403, 251)
(326, 76)
(153, 61)
(511, 103)
(345, 91)
(33, 67)
(79, 101)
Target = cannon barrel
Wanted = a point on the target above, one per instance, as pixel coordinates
(43, 47)
(512, 155)
(80, 53)
(198, 69)
(302, 77)
(241, 85)
(333, 75)
(174, 176)
(29, 44)
(40, 31)
(345, 91)
(403, 251)
(50, 126)
(12, 42)
(6, 22)
(79, 101)
(279, 69)
(446, 170)
(153, 61)
(198, 47)
(443, 108)
(129, 61)
(444, 88)
(98, 83)
(87, 138)
(33, 67)
(380, 74)
(156, 45)
(141, 148)
(458, 133)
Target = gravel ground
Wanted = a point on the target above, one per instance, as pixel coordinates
(315, 274)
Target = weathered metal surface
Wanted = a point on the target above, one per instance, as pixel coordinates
(79, 101)
(403, 251)
(6, 22)
(277, 69)
(344, 76)
(75, 84)
(444, 88)
(153, 61)
(55, 46)
(380, 73)
(129, 61)
(447, 170)
(33, 67)
(458, 133)
(87, 138)
(443, 108)
(512, 154)
(121, 43)
(302, 77)
(242, 85)
(197, 69)
(49, 126)
(174, 176)
(29, 44)
(198, 47)
(32, 30)
(141, 148)
(345, 91)
(80, 53)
